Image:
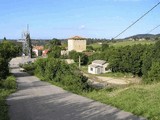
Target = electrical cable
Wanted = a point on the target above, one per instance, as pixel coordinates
(153, 29)
(137, 20)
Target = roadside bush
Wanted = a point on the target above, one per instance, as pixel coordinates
(40, 65)
(6, 88)
(58, 71)
(28, 66)
(9, 83)
(154, 73)
(4, 69)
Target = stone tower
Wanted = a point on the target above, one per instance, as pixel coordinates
(77, 44)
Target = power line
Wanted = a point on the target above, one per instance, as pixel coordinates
(137, 20)
(153, 29)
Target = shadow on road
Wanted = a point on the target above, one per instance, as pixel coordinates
(63, 106)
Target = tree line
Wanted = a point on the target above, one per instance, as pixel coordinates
(140, 60)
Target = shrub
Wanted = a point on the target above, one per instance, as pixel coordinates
(154, 73)
(58, 71)
(9, 83)
(28, 66)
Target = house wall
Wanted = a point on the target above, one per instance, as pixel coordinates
(97, 70)
(35, 51)
(93, 71)
(77, 45)
(104, 68)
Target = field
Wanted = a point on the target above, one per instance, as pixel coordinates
(123, 43)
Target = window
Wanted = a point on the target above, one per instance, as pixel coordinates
(106, 69)
(91, 69)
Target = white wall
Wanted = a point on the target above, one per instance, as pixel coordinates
(77, 45)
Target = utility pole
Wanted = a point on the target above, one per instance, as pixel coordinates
(79, 61)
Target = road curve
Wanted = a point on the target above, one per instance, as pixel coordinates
(37, 100)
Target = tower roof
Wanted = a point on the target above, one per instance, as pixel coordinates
(77, 38)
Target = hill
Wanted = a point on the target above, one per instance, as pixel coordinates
(140, 36)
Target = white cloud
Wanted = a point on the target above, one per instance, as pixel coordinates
(82, 27)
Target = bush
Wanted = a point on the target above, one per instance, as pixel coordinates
(58, 71)
(154, 74)
(9, 83)
(28, 66)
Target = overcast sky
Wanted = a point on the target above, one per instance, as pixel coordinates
(67, 18)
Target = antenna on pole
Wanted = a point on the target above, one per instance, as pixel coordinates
(28, 28)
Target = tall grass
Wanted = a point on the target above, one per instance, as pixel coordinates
(6, 88)
(142, 100)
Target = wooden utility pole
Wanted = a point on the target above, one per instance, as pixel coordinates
(79, 61)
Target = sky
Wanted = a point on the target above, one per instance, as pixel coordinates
(49, 19)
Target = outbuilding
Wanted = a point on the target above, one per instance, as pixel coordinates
(98, 67)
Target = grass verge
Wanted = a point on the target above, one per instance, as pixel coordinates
(7, 87)
(141, 100)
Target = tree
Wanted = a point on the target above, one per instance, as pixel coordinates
(8, 50)
(105, 46)
(29, 45)
(4, 38)
(154, 73)
(55, 48)
(151, 55)
(75, 56)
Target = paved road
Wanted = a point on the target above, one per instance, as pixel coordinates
(37, 100)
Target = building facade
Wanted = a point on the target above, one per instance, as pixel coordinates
(77, 44)
(98, 67)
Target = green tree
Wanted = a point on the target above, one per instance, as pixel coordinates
(29, 45)
(55, 48)
(8, 50)
(105, 46)
(154, 73)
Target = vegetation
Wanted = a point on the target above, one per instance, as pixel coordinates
(141, 100)
(8, 50)
(55, 49)
(138, 59)
(130, 43)
(75, 56)
(58, 72)
(7, 87)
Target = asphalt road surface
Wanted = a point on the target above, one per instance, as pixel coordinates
(37, 100)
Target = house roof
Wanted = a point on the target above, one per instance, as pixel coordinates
(45, 51)
(99, 62)
(77, 38)
(38, 47)
(94, 66)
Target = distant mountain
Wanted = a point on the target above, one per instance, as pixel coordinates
(140, 36)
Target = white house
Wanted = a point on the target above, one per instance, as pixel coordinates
(98, 67)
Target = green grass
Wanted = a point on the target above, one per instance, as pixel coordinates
(130, 43)
(116, 75)
(141, 100)
(123, 43)
(95, 45)
(109, 74)
(7, 87)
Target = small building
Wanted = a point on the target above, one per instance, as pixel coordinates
(77, 44)
(98, 67)
(45, 52)
(38, 50)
